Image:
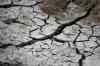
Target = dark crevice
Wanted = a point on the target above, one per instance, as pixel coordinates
(16, 5)
(6, 6)
(4, 64)
(26, 43)
(59, 40)
(5, 45)
(81, 60)
(10, 5)
(13, 20)
(10, 21)
(10, 64)
(75, 40)
(83, 57)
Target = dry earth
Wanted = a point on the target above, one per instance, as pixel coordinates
(31, 37)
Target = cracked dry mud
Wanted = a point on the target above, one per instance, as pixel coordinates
(29, 37)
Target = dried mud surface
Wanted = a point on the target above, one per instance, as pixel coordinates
(31, 37)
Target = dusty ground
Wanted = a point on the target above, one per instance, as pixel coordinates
(30, 37)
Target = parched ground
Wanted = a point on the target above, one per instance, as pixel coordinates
(30, 37)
